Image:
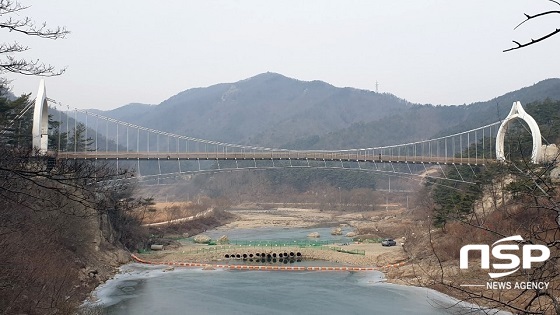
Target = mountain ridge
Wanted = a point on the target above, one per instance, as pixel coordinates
(272, 110)
(263, 110)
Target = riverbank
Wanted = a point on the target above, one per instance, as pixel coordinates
(250, 216)
(252, 222)
(375, 255)
(285, 217)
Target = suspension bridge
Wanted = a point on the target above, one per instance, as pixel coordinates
(112, 139)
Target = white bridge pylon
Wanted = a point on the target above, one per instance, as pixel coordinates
(40, 131)
(517, 111)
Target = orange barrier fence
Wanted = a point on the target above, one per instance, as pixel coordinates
(266, 268)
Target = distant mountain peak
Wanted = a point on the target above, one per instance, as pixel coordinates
(273, 77)
(267, 75)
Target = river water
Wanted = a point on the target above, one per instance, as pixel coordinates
(143, 289)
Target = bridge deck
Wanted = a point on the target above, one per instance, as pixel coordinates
(272, 155)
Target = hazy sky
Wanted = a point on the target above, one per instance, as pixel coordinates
(437, 51)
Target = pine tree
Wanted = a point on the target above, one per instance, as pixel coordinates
(15, 120)
(77, 140)
(58, 140)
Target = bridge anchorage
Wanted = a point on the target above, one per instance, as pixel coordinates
(117, 140)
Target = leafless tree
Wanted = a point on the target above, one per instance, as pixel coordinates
(49, 217)
(531, 209)
(13, 20)
(535, 16)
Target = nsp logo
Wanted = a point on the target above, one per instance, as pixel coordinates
(501, 252)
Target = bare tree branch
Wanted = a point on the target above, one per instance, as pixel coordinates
(533, 41)
(11, 21)
(539, 39)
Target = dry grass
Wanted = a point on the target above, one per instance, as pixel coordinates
(192, 227)
(166, 211)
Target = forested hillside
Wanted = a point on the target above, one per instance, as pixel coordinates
(268, 109)
(427, 121)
